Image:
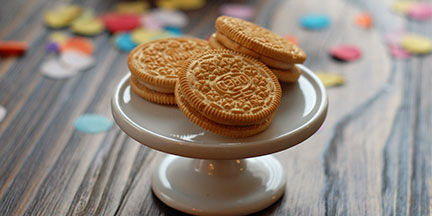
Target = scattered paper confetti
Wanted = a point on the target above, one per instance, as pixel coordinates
(87, 25)
(420, 11)
(416, 44)
(76, 60)
(58, 37)
(52, 47)
(397, 52)
(150, 22)
(141, 35)
(394, 37)
(116, 22)
(315, 21)
(345, 52)
(12, 48)
(136, 7)
(364, 20)
(237, 10)
(189, 4)
(329, 79)
(402, 6)
(93, 123)
(61, 17)
(52, 68)
(3, 112)
(78, 43)
(124, 42)
(291, 38)
(170, 17)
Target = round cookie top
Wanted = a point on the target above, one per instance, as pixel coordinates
(259, 39)
(230, 88)
(158, 62)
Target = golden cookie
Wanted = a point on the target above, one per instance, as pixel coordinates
(215, 44)
(230, 88)
(225, 130)
(158, 62)
(258, 39)
(150, 95)
(291, 75)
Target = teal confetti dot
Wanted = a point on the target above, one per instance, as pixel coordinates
(124, 42)
(93, 123)
(315, 21)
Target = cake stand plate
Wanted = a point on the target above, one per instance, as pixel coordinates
(213, 174)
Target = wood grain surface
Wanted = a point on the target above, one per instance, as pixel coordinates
(373, 155)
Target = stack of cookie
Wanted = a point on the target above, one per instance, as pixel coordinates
(276, 52)
(232, 89)
(154, 66)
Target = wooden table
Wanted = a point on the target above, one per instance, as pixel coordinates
(373, 155)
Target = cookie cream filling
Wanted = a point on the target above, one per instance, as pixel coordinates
(225, 41)
(156, 88)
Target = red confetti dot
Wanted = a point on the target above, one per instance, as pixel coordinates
(81, 44)
(345, 52)
(12, 48)
(120, 22)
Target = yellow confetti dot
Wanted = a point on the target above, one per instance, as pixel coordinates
(402, 6)
(58, 37)
(87, 26)
(416, 44)
(141, 35)
(62, 17)
(167, 4)
(190, 4)
(131, 7)
(329, 79)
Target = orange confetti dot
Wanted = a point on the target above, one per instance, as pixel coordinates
(292, 39)
(79, 44)
(364, 20)
(12, 48)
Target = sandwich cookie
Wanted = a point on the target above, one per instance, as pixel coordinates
(154, 66)
(228, 93)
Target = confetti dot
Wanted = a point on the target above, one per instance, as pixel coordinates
(394, 37)
(76, 60)
(189, 4)
(93, 123)
(137, 7)
(78, 43)
(364, 20)
(121, 22)
(52, 47)
(329, 79)
(12, 48)
(402, 6)
(315, 21)
(420, 11)
(52, 68)
(150, 22)
(124, 42)
(345, 52)
(3, 113)
(89, 26)
(61, 17)
(58, 37)
(141, 35)
(173, 30)
(237, 10)
(397, 52)
(170, 17)
(416, 44)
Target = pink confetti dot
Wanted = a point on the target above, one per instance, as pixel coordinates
(345, 52)
(237, 10)
(420, 11)
(398, 52)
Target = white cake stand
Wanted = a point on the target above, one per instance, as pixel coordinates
(216, 175)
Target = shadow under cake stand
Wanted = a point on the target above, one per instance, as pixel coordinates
(217, 175)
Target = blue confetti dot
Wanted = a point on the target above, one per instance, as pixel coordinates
(315, 21)
(124, 42)
(173, 30)
(93, 123)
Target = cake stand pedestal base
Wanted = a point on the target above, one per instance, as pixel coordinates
(218, 187)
